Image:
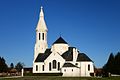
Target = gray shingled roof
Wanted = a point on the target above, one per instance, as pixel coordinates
(60, 40)
(42, 56)
(69, 65)
(68, 55)
(83, 57)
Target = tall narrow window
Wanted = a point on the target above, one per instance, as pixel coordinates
(88, 67)
(43, 36)
(54, 64)
(58, 66)
(43, 67)
(64, 70)
(49, 66)
(72, 70)
(36, 67)
(39, 36)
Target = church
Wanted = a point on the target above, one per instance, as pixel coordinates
(60, 58)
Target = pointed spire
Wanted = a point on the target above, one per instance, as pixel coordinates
(41, 12)
(41, 26)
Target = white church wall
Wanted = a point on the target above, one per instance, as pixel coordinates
(84, 68)
(51, 57)
(71, 71)
(60, 48)
(75, 55)
(40, 65)
(40, 47)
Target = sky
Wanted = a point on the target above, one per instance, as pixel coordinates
(92, 26)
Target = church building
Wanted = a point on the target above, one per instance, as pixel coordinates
(60, 58)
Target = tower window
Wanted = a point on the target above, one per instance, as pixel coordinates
(36, 67)
(49, 66)
(39, 36)
(88, 67)
(43, 36)
(43, 67)
(54, 64)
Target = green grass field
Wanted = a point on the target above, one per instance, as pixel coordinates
(59, 78)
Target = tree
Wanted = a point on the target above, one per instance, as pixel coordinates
(3, 65)
(117, 63)
(109, 66)
(113, 64)
(11, 66)
(19, 66)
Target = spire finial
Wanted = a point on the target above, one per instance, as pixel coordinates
(41, 7)
(41, 12)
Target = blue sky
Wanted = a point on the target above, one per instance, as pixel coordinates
(93, 26)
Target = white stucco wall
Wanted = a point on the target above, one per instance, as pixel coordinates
(53, 56)
(60, 48)
(71, 71)
(84, 68)
(39, 64)
(75, 54)
(40, 47)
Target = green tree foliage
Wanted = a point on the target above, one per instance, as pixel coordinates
(117, 63)
(11, 66)
(109, 66)
(113, 64)
(19, 66)
(3, 65)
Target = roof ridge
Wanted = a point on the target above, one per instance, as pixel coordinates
(69, 65)
(60, 40)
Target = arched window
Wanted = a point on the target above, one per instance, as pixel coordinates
(50, 66)
(54, 64)
(43, 36)
(58, 66)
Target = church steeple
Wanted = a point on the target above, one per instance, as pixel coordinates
(41, 23)
(41, 35)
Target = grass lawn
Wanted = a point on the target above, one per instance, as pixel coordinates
(59, 78)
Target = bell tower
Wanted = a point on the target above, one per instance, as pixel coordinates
(41, 35)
